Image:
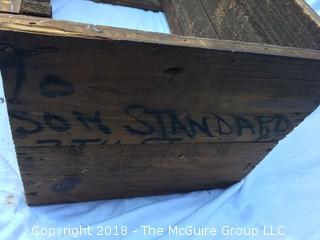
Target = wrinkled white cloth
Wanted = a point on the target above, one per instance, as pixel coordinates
(280, 196)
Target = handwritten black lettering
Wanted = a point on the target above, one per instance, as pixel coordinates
(282, 124)
(158, 115)
(243, 123)
(179, 126)
(84, 119)
(224, 128)
(22, 132)
(165, 140)
(264, 123)
(85, 141)
(203, 126)
(53, 87)
(56, 122)
(131, 110)
(54, 142)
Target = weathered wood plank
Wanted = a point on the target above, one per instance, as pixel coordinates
(273, 22)
(10, 6)
(44, 26)
(231, 23)
(308, 10)
(83, 99)
(286, 23)
(252, 93)
(171, 14)
(40, 8)
(141, 125)
(186, 17)
(73, 174)
(152, 5)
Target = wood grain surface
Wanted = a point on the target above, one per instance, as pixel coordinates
(99, 112)
(41, 8)
(285, 23)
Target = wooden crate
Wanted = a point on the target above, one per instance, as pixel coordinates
(99, 112)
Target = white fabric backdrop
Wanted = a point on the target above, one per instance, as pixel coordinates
(283, 192)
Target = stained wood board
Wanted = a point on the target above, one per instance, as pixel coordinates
(285, 23)
(41, 8)
(27, 7)
(99, 112)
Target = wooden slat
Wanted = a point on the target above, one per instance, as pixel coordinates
(188, 18)
(10, 6)
(171, 13)
(73, 174)
(309, 11)
(48, 27)
(115, 126)
(40, 8)
(286, 23)
(152, 5)
(84, 100)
